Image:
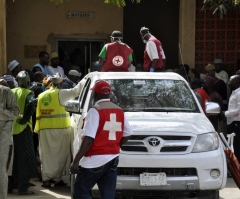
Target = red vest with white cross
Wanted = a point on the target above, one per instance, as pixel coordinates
(147, 61)
(110, 130)
(117, 57)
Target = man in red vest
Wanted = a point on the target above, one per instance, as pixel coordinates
(105, 130)
(115, 56)
(154, 57)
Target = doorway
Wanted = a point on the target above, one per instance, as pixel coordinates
(79, 54)
(162, 18)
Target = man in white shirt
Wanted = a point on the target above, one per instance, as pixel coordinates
(154, 57)
(55, 68)
(233, 113)
(105, 130)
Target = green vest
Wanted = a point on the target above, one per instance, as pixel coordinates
(21, 96)
(50, 113)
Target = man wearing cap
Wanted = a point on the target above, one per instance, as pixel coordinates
(71, 80)
(115, 56)
(15, 68)
(54, 128)
(24, 157)
(9, 111)
(55, 68)
(220, 73)
(105, 130)
(42, 66)
(154, 57)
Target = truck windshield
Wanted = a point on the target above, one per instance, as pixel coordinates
(152, 95)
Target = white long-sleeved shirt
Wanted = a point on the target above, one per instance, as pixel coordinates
(70, 94)
(152, 51)
(222, 75)
(90, 129)
(59, 70)
(233, 112)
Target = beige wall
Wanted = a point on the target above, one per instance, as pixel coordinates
(2, 37)
(35, 22)
(32, 22)
(187, 32)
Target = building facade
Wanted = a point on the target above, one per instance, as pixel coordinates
(28, 26)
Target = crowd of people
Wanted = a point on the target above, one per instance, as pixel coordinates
(29, 99)
(34, 121)
(216, 86)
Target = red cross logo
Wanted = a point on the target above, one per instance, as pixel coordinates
(117, 61)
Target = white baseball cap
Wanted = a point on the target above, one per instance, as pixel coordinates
(13, 64)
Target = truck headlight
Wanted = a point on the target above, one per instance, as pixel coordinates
(206, 142)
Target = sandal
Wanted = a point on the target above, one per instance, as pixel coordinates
(46, 184)
(60, 183)
(27, 193)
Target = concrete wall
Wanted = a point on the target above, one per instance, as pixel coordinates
(37, 22)
(187, 18)
(2, 37)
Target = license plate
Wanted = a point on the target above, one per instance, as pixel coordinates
(153, 179)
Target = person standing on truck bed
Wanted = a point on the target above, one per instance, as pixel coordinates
(154, 57)
(116, 56)
(105, 130)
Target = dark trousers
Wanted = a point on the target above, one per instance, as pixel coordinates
(158, 70)
(105, 177)
(234, 127)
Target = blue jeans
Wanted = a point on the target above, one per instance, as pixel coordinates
(105, 177)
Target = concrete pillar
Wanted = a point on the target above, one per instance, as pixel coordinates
(187, 20)
(3, 46)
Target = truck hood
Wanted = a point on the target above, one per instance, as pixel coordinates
(196, 123)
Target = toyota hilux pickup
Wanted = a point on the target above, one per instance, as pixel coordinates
(174, 151)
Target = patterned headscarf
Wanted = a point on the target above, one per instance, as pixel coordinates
(3, 83)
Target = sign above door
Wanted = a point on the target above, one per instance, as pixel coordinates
(80, 15)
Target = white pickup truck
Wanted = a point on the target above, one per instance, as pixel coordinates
(174, 151)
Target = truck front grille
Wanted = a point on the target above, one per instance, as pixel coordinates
(134, 148)
(174, 149)
(164, 137)
(169, 171)
(157, 144)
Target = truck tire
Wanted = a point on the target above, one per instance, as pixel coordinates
(208, 194)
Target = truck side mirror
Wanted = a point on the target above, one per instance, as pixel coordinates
(212, 108)
(73, 106)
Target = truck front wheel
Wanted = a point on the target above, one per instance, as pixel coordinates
(208, 194)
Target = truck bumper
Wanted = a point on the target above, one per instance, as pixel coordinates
(203, 162)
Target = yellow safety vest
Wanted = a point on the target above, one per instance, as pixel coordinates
(50, 113)
(21, 96)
